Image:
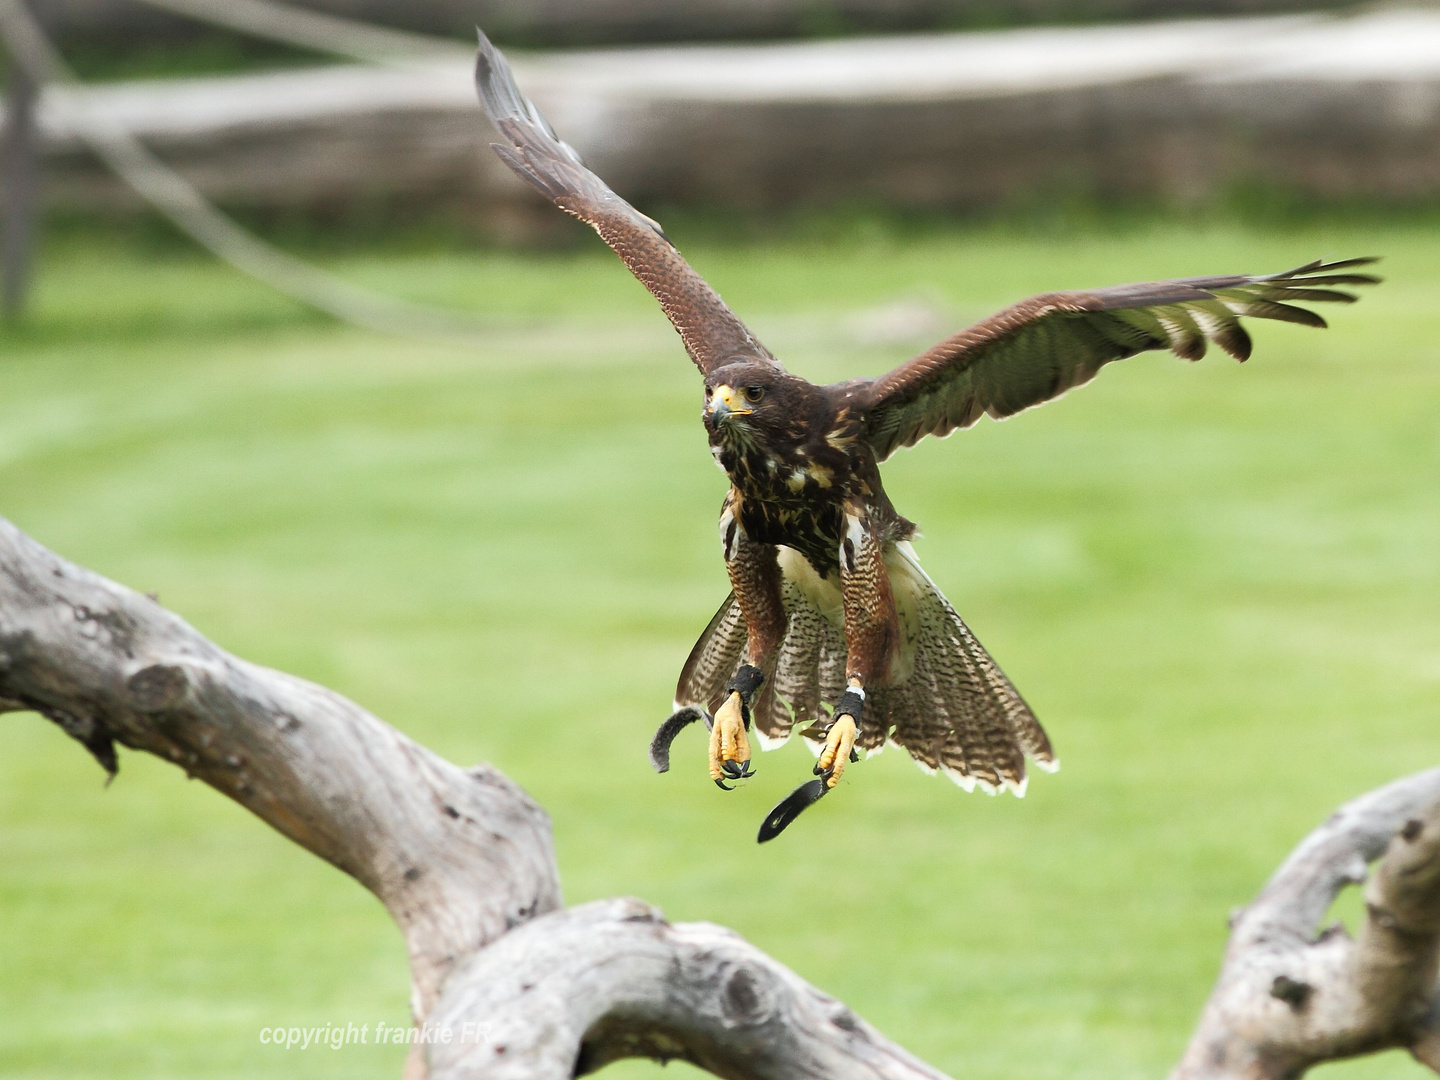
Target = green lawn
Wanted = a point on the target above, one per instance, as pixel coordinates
(1217, 584)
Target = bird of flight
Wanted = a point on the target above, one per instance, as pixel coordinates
(829, 608)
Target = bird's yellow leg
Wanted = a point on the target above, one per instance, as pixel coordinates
(729, 745)
(839, 750)
(839, 745)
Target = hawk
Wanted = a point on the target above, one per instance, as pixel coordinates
(831, 622)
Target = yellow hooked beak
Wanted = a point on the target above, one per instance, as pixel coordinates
(727, 401)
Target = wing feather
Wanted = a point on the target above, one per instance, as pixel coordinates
(711, 332)
(1040, 348)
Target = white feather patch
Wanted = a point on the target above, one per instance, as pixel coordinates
(928, 770)
(823, 593)
(772, 742)
(962, 780)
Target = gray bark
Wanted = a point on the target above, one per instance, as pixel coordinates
(575, 990)
(1291, 995)
(463, 861)
(457, 856)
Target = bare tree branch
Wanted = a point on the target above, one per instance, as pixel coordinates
(463, 860)
(456, 856)
(1291, 995)
(575, 990)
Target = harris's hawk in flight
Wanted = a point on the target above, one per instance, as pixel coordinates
(831, 622)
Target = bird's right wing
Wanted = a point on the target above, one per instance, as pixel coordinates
(711, 332)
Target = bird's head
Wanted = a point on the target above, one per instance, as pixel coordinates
(749, 402)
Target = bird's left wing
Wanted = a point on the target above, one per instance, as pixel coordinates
(711, 332)
(1044, 346)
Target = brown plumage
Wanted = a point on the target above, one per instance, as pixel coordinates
(827, 593)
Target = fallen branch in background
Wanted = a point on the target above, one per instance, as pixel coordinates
(319, 32)
(463, 861)
(178, 200)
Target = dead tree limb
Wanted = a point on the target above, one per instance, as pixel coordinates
(463, 861)
(1291, 995)
(456, 856)
(575, 990)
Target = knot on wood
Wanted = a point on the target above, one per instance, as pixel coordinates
(631, 909)
(1382, 918)
(843, 1018)
(1355, 871)
(744, 999)
(1293, 992)
(1410, 833)
(157, 687)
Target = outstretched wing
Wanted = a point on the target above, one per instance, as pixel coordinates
(1044, 346)
(711, 332)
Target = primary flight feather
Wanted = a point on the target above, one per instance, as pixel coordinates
(831, 622)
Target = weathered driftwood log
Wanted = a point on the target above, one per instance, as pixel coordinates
(463, 861)
(577, 989)
(1290, 994)
(456, 856)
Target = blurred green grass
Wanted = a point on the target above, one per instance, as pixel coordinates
(1217, 585)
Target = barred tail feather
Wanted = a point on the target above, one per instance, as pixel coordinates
(957, 712)
(804, 679)
(949, 705)
(809, 672)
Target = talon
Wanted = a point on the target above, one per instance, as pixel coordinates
(839, 748)
(729, 745)
(723, 786)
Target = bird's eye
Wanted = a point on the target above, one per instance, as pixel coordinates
(709, 393)
(754, 393)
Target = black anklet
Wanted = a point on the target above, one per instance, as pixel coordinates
(746, 682)
(850, 704)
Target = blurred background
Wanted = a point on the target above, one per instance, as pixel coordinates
(285, 343)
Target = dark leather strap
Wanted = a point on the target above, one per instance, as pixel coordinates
(850, 704)
(747, 680)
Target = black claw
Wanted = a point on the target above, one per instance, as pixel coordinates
(854, 755)
(723, 786)
(789, 808)
(735, 769)
(660, 745)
